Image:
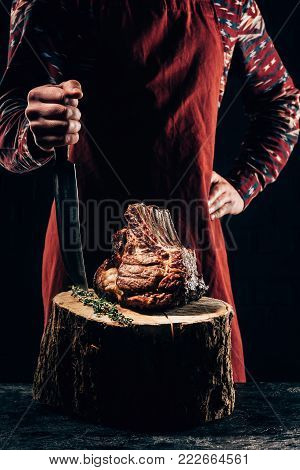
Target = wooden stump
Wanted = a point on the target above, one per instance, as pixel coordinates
(160, 373)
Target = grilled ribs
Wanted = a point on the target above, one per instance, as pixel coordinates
(149, 268)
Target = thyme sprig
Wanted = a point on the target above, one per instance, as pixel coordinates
(100, 305)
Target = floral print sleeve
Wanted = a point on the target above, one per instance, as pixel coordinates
(271, 99)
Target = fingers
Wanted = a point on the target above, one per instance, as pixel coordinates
(225, 209)
(53, 128)
(72, 89)
(46, 94)
(50, 142)
(53, 114)
(50, 133)
(73, 127)
(52, 111)
(216, 190)
(217, 206)
(71, 102)
(65, 93)
(223, 198)
(215, 178)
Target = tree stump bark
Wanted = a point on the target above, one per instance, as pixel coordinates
(163, 372)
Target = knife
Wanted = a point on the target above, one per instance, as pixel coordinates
(67, 215)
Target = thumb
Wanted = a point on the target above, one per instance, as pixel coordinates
(215, 178)
(72, 89)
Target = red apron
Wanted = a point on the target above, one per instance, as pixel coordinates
(151, 82)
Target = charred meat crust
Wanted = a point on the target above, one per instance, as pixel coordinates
(149, 268)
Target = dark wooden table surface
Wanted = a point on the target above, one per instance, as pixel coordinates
(266, 416)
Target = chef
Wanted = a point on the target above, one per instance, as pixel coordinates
(133, 87)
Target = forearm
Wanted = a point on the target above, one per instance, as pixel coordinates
(272, 104)
(272, 135)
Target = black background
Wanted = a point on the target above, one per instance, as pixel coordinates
(264, 267)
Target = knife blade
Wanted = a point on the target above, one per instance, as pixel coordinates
(67, 214)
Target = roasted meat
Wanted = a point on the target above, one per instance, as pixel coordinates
(149, 268)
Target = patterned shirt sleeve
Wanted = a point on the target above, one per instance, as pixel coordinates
(272, 104)
(32, 61)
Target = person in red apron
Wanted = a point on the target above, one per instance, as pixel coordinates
(148, 77)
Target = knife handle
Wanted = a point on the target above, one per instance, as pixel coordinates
(62, 155)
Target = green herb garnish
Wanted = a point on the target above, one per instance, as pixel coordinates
(100, 305)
